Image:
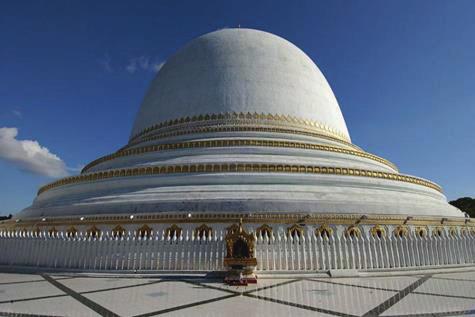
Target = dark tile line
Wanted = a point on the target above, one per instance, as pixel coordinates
(118, 274)
(396, 298)
(34, 281)
(444, 295)
(354, 285)
(168, 310)
(83, 300)
(6, 314)
(31, 298)
(86, 292)
(84, 274)
(441, 314)
(273, 285)
(306, 307)
(122, 287)
(211, 287)
(238, 292)
(452, 279)
(21, 282)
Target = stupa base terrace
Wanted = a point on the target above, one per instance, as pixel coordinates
(204, 243)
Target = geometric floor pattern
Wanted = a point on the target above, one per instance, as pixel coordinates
(449, 294)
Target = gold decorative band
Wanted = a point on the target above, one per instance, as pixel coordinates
(280, 217)
(234, 143)
(236, 168)
(237, 129)
(233, 118)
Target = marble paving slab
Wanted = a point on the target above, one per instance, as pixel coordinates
(86, 284)
(14, 292)
(156, 297)
(15, 278)
(428, 304)
(448, 294)
(390, 283)
(448, 287)
(242, 306)
(60, 306)
(332, 297)
(467, 276)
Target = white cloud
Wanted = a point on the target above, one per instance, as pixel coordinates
(76, 169)
(29, 155)
(105, 62)
(157, 66)
(132, 66)
(144, 63)
(17, 113)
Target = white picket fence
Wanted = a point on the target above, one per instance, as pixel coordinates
(276, 253)
(154, 253)
(314, 253)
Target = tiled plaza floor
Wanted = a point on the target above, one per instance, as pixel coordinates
(448, 294)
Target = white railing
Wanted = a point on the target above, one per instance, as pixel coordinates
(275, 253)
(154, 253)
(314, 253)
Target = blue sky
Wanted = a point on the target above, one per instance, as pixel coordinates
(73, 73)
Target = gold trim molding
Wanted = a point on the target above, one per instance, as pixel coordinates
(239, 125)
(224, 143)
(324, 231)
(236, 168)
(249, 128)
(282, 217)
(234, 118)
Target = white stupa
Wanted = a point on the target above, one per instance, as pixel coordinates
(241, 124)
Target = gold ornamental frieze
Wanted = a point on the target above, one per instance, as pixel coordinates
(240, 128)
(224, 143)
(144, 223)
(237, 168)
(233, 118)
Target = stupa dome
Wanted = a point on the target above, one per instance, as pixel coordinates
(240, 121)
(240, 71)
